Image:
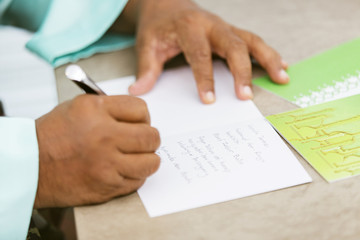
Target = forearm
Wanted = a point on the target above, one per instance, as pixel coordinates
(169, 6)
(128, 19)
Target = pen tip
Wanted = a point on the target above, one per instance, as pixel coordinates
(74, 72)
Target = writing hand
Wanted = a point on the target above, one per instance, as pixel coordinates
(93, 149)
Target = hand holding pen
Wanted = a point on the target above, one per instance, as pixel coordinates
(94, 148)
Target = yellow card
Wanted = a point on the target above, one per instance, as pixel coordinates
(326, 135)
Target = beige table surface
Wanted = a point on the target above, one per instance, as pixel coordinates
(298, 29)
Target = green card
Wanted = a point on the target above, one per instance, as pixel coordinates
(326, 135)
(331, 75)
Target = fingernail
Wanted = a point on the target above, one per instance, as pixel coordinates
(208, 97)
(137, 88)
(132, 88)
(133, 85)
(247, 92)
(283, 76)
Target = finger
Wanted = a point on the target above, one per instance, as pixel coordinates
(136, 138)
(237, 56)
(149, 66)
(197, 51)
(240, 66)
(137, 166)
(127, 108)
(127, 186)
(267, 57)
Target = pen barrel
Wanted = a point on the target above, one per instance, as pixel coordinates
(89, 89)
(2, 111)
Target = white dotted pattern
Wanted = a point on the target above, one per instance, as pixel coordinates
(348, 86)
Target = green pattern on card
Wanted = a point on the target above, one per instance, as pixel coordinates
(326, 135)
(331, 75)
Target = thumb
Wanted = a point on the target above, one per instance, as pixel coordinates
(149, 70)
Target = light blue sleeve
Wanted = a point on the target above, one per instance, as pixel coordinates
(19, 167)
(75, 29)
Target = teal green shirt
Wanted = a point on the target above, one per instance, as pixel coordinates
(65, 30)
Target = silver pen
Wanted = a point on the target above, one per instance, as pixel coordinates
(79, 77)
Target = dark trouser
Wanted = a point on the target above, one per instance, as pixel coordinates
(40, 229)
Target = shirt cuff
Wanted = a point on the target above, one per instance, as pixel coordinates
(19, 167)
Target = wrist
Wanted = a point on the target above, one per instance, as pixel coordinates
(127, 20)
(154, 7)
(43, 196)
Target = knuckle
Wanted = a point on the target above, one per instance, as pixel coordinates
(255, 39)
(201, 54)
(217, 19)
(139, 104)
(86, 101)
(148, 139)
(189, 17)
(105, 184)
(139, 107)
(269, 57)
(238, 45)
(84, 105)
(244, 74)
(152, 165)
(140, 139)
(78, 102)
(246, 67)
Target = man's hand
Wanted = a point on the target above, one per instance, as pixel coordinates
(166, 28)
(93, 149)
